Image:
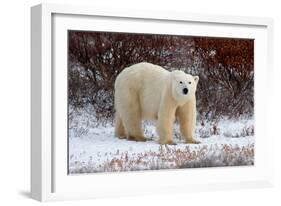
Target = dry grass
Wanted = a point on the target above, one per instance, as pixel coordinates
(169, 157)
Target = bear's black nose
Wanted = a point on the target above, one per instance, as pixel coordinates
(185, 91)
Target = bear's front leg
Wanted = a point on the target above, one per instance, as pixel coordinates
(166, 118)
(187, 118)
(165, 131)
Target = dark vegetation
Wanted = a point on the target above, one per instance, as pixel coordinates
(225, 67)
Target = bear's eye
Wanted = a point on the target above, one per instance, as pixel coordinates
(189, 82)
(180, 82)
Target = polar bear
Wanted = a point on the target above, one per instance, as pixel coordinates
(145, 91)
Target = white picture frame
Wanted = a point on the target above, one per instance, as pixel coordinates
(49, 179)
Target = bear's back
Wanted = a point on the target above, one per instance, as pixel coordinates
(141, 74)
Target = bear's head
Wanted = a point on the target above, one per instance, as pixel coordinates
(183, 86)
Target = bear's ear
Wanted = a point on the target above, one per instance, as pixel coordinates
(196, 79)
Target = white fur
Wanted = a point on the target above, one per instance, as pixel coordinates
(149, 92)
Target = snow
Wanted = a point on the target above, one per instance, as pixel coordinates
(94, 148)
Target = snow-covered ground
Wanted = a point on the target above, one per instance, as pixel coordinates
(94, 148)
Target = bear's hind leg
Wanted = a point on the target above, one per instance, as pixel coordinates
(133, 123)
(133, 126)
(119, 128)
